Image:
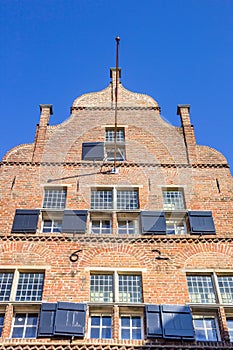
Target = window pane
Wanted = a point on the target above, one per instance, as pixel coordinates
(106, 320)
(130, 288)
(136, 321)
(101, 199)
(106, 333)
(125, 334)
(101, 288)
(127, 199)
(54, 198)
(6, 280)
(201, 289)
(125, 321)
(95, 320)
(173, 200)
(30, 332)
(30, 287)
(95, 333)
(1, 323)
(136, 334)
(17, 332)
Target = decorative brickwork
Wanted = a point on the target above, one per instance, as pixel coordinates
(131, 235)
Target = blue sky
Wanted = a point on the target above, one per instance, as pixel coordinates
(177, 51)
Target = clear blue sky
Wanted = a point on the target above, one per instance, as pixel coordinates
(177, 51)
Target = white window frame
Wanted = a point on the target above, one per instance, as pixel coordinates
(115, 293)
(128, 229)
(205, 328)
(15, 283)
(215, 284)
(176, 204)
(230, 328)
(130, 315)
(25, 326)
(52, 225)
(101, 327)
(60, 206)
(114, 203)
(176, 223)
(101, 230)
(111, 139)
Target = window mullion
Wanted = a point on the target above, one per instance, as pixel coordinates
(114, 198)
(116, 286)
(14, 285)
(216, 288)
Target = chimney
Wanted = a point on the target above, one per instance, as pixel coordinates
(113, 76)
(41, 130)
(45, 112)
(188, 131)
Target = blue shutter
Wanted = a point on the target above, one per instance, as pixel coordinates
(70, 319)
(201, 222)
(93, 151)
(153, 321)
(47, 318)
(74, 221)
(25, 220)
(177, 322)
(153, 222)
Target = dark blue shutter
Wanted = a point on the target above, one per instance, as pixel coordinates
(74, 221)
(201, 222)
(93, 151)
(153, 321)
(25, 220)
(153, 222)
(177, 322)
(70, 319)
(47, 318)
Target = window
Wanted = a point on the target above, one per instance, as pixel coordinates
(225, 284)
(175, 226)
(110, 135)
(173, 199)
(127, 199)
(130, 288)
(230, 328)
(101, 199)
(210, 289)
(131, 327)
(101, 288)
(110, 144)
(21, 286)
(30, 287)
(24, 325)
(52, 225)
(100, 326)
(101, 226)
(116, 287)
(201, 289)
(127, 227)
(54, 198)
(216, 289)
(206, 328)
(1, 323)
(120, 199)
(110, 153)
(6, 280)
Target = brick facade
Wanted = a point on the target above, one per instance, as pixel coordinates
(160, 160)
